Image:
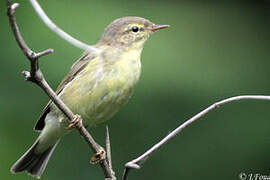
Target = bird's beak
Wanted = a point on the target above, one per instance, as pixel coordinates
(156, 27)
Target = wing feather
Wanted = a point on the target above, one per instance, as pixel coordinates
(77, 67)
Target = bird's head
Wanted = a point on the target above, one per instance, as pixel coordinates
(129, 32)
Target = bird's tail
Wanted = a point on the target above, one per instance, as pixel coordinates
(32, 162)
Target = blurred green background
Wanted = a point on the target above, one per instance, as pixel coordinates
(213, 50)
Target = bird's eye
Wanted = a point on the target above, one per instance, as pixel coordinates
(135, 29)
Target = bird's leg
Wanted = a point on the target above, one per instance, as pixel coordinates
(76, 122)
(99, 156)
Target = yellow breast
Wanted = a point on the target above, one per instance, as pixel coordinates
(99, 90)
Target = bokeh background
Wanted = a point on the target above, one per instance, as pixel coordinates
(213, 50)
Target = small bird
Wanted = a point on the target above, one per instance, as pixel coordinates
(95, 88)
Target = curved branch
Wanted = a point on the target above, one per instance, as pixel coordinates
(135, 163)
(59, 31)
(35, 75)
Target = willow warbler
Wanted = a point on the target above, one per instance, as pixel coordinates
(95, 88)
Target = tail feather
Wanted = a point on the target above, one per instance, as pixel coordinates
(32, 162)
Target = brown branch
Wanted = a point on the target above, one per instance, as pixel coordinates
(108, 149)
(35, 75)
(135, 163)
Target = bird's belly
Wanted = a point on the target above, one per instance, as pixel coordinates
(96, 101)
(105, 106)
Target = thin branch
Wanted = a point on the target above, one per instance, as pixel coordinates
(15, 28)
(59, 31)
(108, 147)
(108, 150)
(35, 75)
(135, 163)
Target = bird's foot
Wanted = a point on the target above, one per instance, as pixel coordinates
(99, 156)
(76, 122)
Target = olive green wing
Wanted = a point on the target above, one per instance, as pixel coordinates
(77, 67)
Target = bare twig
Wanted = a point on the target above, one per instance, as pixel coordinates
(59, 31)
(135, 163)
(108, 147)
(108, 150)
(35, 75)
